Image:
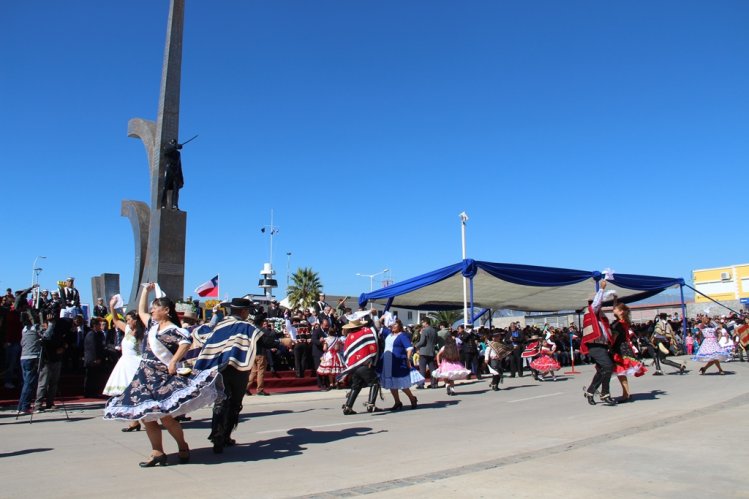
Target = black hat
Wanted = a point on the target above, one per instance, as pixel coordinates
(240, 303)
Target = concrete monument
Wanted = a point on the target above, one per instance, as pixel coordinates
(159, 234)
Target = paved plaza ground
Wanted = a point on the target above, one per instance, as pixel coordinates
(683, 436)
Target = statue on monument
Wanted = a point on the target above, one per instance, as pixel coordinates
(173, 179)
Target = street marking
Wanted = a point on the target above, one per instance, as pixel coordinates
(359, 423)
(533, 398)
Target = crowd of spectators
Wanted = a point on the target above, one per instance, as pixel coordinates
(91, 348)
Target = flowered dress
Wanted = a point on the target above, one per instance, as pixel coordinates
(709, 348)
(331, 362)
(154, 393)
(126, 367)
(545, 363)
(623, 353)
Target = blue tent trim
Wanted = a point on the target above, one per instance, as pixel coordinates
(520, 275)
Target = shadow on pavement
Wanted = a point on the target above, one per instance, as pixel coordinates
(24, 451)
(292, 444)
(653, 395)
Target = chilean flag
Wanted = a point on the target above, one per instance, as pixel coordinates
(209, 288)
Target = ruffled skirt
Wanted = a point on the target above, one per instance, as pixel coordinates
(154, 393)
(545, 364)
(330, 363)
(628, 366)
(710, 350)
(122, 374)
(451, 371)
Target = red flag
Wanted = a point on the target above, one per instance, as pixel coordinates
(209, 288)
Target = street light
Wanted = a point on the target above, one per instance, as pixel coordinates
(463, 219)
(34, 270)
(35, 277)
(371, 278)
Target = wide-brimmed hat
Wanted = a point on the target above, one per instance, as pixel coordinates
(189, 315)
(238, 303)
(354, 324)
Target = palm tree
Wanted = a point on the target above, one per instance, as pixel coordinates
(305, 288)
(449, 316)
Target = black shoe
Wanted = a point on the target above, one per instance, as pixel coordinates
(414, 403)
(590, 397)
(184, 456)
(606, 399)
(397, 407)
(347, 411)
(155, 461)
(658, 373)
(128, 429)
(218, 448)
(262, 393)
(230, 442)
(682, 369)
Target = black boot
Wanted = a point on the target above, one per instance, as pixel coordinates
(347, 407)
(371, 403)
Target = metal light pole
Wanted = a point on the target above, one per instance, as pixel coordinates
(33, 269)
(371, 278)
(463, 219)
(288, 263)
(35, 278)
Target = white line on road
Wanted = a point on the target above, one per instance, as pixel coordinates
(347, 423)
(532, 398)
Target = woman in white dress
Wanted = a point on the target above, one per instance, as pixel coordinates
(130, 348)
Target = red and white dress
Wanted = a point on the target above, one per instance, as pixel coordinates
(545, 363)
(625, 363)
(331, 361)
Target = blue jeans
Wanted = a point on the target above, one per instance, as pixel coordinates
(30, 370)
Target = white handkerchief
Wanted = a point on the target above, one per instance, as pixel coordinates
(157, 290)
(118, 301)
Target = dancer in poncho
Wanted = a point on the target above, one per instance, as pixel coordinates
(546, 364)
(158, 391)
(596, 342)
(360, 353)
(495, 353)
(230, 348)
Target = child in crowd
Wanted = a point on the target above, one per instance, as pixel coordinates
(450, 367)
(690, 343)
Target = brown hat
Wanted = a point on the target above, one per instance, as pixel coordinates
(355, 324)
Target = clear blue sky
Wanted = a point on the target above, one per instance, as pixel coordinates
(575, 134)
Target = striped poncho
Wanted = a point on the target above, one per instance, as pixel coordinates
(233, 342)
(359, 348)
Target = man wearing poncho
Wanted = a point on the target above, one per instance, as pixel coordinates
(231, 348)
(360, 356)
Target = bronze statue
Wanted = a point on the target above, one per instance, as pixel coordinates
(173, 179)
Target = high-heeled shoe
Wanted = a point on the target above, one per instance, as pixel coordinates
(414, 402)
(154, 461)
(184, 456)
(128, 429)
(397, 407)
(702, 370)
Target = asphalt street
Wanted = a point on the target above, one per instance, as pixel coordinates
(683, 436)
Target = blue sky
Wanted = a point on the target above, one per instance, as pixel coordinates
(575, 134)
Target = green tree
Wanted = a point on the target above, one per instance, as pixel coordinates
(449, 316)
(304, 288)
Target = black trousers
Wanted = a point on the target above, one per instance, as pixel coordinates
(516, 362)
(226, 413)
(302, 352)
(604, 368)
(428, 361)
